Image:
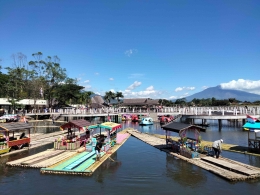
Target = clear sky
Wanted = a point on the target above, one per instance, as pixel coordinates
(156, 48)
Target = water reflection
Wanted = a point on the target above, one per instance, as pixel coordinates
(108, 167)
(145, 129)
(184, 173)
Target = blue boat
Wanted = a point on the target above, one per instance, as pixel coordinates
(146, 121)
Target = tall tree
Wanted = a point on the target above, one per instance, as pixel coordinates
(109, 95)
(16, 80)
(47, 76)
(54, 75)
(119, 95)
(67, 92)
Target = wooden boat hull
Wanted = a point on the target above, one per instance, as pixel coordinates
(5, 150)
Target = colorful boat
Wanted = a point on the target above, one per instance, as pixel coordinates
(9, 118)
(14, 136)
(165, 119)
(126, 117)
(134, 118)
(146, 121)
(77, 135)
(252, 124)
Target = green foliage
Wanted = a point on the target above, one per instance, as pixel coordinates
(109, 95)
(68, 93)
(119, 95)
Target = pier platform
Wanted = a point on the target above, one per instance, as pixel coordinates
(69, 162)
(223, 167)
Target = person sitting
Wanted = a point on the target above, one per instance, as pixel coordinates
(22, 136)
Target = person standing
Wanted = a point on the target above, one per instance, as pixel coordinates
(98, 149)
(217, 147)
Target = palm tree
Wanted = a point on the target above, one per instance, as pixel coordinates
(109, 95)
(118, 95)
(87, 97)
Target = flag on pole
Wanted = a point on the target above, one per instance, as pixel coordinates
(41, 92)
(251, 119)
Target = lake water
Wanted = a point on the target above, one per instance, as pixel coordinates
(138, 169)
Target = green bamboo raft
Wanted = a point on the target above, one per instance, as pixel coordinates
(77, 165)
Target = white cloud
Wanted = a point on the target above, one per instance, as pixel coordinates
(134, 85)
(112, 90)
(87, 86)
(184, 88)
(96, 73)
(97, 93)
(111, 79)
(130, 52)
(243, 85)
(204, 87)
(150, 88)
(190, 88)
(86, 81)
(178, 89)
(149, 92)
(173, 97)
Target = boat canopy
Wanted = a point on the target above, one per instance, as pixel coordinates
(14, 126)
(255, 127)
(80, 124)
(112, 127)
(182, 128)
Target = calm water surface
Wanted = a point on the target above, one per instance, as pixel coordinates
(138, 169)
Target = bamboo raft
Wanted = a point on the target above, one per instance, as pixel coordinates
(223, 167)
(69, 162)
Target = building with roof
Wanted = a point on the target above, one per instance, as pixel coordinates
(97, 101)
(140, 102)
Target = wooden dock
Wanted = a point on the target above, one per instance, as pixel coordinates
(68, 162)
(223, 167)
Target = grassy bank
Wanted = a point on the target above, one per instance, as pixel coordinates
(226, 147)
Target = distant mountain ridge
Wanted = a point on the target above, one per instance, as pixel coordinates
(220, 94)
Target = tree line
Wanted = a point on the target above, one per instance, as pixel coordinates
(43, 78)
(205, 102)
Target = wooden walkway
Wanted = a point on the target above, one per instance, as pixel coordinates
(223, 167)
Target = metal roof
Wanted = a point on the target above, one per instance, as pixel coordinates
(76, 124)
(140, 102)
(177, 127)
(14, 126)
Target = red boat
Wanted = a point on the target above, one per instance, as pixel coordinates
(134, 118)
(166, 119)
(14, 136)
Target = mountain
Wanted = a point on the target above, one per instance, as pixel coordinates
(220, 94)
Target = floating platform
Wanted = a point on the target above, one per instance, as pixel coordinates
(223, 167)
(69, 162)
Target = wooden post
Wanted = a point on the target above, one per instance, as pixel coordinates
(219, 124)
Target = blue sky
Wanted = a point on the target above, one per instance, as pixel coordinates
(157, 49)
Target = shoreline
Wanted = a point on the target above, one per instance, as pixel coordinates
(225, 147)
